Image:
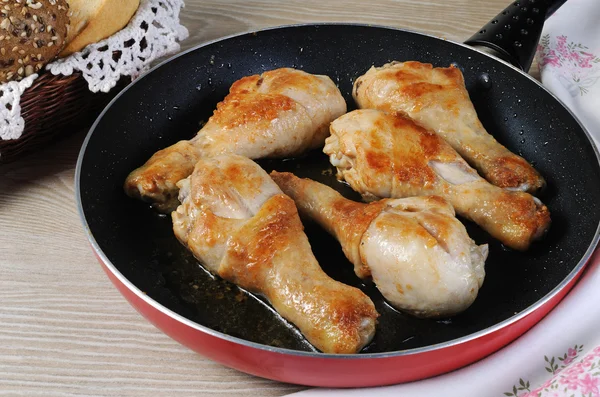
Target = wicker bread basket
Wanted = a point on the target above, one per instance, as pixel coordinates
(63, 101)
(53, 107)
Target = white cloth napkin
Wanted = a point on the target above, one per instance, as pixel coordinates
(560, 356)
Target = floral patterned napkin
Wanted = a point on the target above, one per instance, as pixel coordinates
(569, 60)
(560, 356)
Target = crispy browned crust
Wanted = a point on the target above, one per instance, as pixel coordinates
(236, 109)
(244, 123)
(252, 260)
(352, 219)
(419, 87)
(158, 177)
(393, 154)
(265, 251)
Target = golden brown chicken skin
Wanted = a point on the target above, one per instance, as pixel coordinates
(415, 250)
(437, 99)
(281, 113)
(240, 226)
(385, 155)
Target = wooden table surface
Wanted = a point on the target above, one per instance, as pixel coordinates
(64, 328)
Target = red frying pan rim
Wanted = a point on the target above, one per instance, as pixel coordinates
(259, 346)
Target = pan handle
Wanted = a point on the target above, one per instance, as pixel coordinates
(515, 32)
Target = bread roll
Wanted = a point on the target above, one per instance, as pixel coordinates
(95, 20)
(32, 33)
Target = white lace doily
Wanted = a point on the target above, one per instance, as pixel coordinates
(11, 122)
(154, 31)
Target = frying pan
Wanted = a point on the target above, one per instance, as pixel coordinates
(141, 256)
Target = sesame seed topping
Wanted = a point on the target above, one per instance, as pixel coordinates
(5, 24)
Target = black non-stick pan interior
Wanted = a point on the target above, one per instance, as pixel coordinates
(173, 101)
